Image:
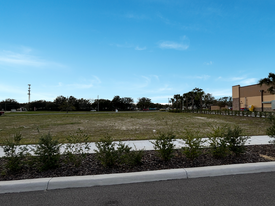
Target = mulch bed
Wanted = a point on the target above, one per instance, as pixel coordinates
(150, 161)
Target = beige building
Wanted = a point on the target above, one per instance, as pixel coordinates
(256, 95)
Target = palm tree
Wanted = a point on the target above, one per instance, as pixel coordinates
(177, 98)
(270, 81)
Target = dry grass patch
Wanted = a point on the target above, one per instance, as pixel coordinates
(121, 126)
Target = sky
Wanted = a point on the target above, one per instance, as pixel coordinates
(133, 48)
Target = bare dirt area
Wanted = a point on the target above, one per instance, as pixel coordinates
(121, 126)
(150, 161)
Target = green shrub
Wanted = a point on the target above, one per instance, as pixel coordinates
(125, 155)
(270, 131)
(77, 147)
(106, 152)
(48, 152)
(194, 144)
(218, 144)
(235, 140)
(164, 145)
(135, 157)
(108, 155)
(14, 153)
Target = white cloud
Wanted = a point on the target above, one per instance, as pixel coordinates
(165, 88)
(12, 89)
(242, 80)
(135, 16)
(126, 45)
(220, 92)
(203, 77)
(173, 45)
(23, 58)
(140, 48)
(156, 76)
(248, 81)
(208, 63)
(85, 84)
(236, 78)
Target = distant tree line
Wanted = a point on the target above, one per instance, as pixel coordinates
(198, 99)
(62, 103)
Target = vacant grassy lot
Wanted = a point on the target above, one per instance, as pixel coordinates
(121, 126)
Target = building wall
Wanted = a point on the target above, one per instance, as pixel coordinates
(236, 97)
(215, 108)
(251, 95)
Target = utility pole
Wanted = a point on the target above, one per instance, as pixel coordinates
(29, 92)
(262, 99)
(98, 103)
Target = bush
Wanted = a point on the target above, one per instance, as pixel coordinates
(48, 152)
(125, 155)
(135, 157)
(164, 145)
(77, 147)
(235, 140)
(218, 144)
(194, 144)
(270, 131)
(106, 152)
(14, 153)
(108, 155)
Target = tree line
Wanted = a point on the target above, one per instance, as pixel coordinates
(198, 99)
(62, 103)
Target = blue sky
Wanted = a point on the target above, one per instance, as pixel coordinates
(133, 48)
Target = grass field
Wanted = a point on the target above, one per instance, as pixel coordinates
(120, 126)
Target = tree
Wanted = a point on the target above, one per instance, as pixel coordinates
(65, 103)
(127, 103)
(208, 100)
(84, 104)
(177, 102)
(104, 104)
(9, 104)
(225, 101)
(38, 104)
(198, 93)
(269, 81)
(143, 103)
(116, 102)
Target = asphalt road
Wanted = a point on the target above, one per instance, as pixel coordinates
(249, 189)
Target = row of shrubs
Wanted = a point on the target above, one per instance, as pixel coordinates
(223, 141)
(229, 112)
(47, 152)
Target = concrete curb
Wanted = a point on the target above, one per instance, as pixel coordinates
(134, 177)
